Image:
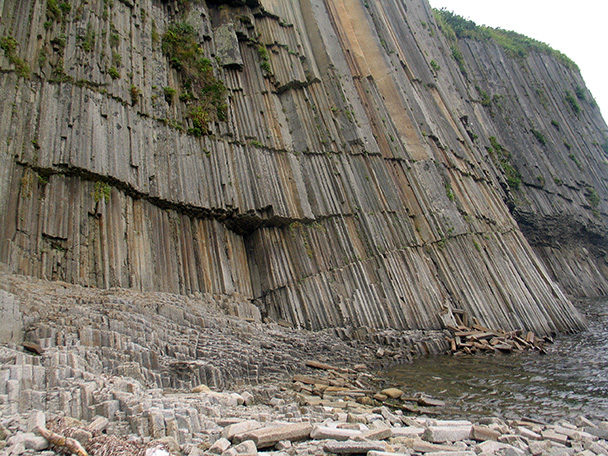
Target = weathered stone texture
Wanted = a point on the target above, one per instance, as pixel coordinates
(11, 322)
(160, 340)
(349, 186)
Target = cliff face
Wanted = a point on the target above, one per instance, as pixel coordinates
(353, 175)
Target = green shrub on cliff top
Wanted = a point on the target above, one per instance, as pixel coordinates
(515, 44)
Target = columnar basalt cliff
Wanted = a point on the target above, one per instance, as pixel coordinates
(329, 163)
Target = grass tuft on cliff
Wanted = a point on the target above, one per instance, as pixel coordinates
(515, 44)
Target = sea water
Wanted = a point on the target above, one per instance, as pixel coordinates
(570, 380)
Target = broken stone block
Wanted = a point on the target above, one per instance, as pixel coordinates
(171, 444)
(583, 422)
(82, 435)
(29, 440)
(36, 419)
(325, 432)
(353, 447)
(441, 434)
(386, 453)
(220, 446)
(528, 433)
(269, 436)
(454, 453)
(283, 445)
(553, 436)
(381, 432)
(227, 46)
(356, 418)
(248, 398)
(234, 431)
(201, 389)
(490, 447)
(408, 431)
(238, 398)
(246, 447)
(99, 424)
(482, 433)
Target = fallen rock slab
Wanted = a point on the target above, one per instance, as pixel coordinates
(30, 441)
(353, 447)
(236, 430)
(382, 432)
(445, 423)
(429, 401)
(323, 366)
(386, 453)
(219, 446)
(490, 448)
(422, 446)
(247, 447)
(330, 433)
(550, 434)
(453, 453)
(408, 431)
(599, 433)
(441, 434)
(528, 433)
(269, 436)
(482, 433)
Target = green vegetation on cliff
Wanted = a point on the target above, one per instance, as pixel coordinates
(515, 44)
(9, 45)
(202, 91)
(502, 158)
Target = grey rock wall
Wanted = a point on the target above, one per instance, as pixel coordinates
(348, 186)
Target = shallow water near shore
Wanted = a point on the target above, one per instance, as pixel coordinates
(571, 380)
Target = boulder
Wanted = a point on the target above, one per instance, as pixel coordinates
(393, 393)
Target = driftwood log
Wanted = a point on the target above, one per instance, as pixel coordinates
(71, 445)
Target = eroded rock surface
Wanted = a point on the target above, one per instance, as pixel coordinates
(347, 182)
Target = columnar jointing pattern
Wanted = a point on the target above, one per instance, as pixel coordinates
(349, 185)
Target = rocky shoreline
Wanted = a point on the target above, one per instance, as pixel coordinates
(125, 372)
(276, 420)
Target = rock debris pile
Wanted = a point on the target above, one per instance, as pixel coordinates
(477, 338)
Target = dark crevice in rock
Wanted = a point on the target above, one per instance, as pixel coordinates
(241, 223)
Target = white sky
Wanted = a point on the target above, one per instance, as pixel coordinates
(578, 29)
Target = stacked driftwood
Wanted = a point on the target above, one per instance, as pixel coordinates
(477, 338)
(68, 436)
(340, 388)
